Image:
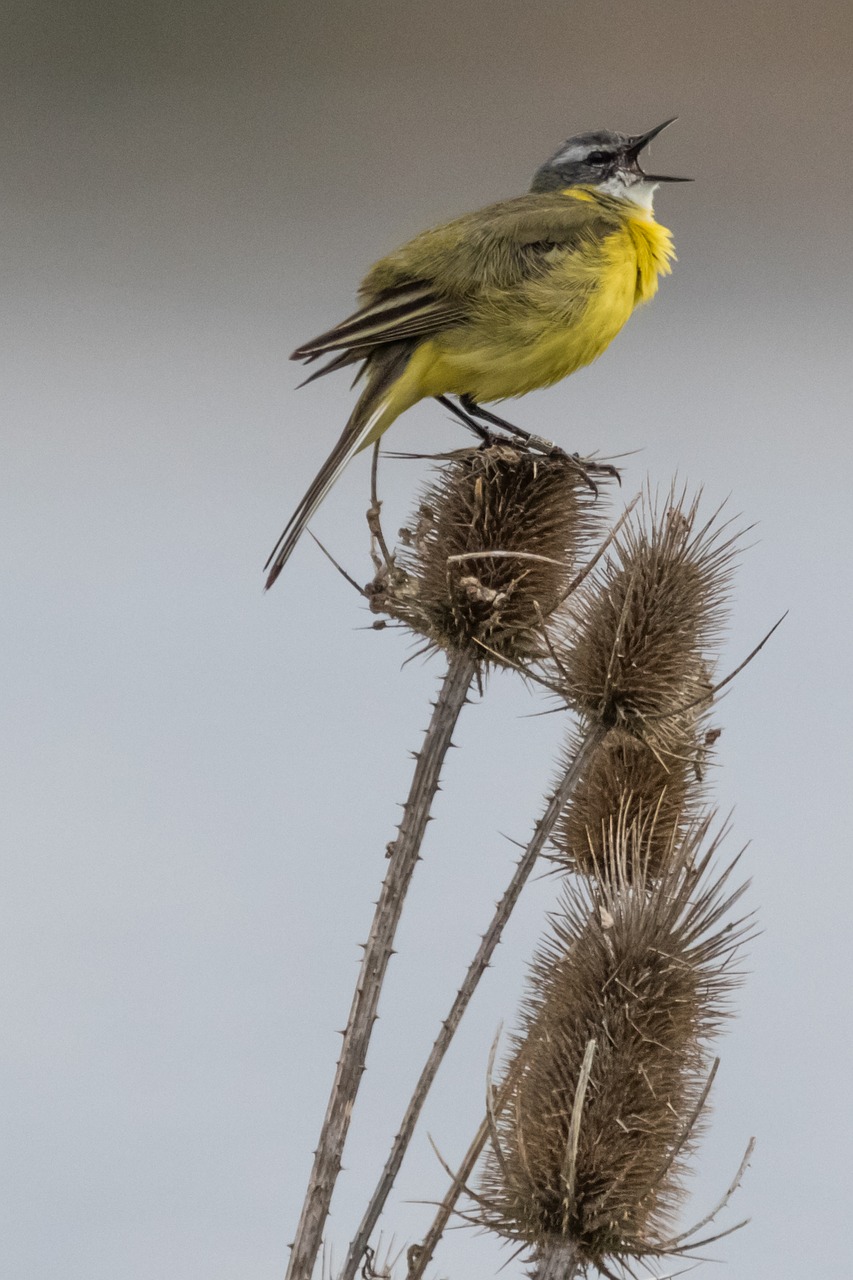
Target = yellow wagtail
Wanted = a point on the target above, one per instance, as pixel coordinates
(498, 302)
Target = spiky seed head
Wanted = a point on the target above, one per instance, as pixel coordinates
(651, 790)
(644, 968)
(637, 641)
(491, 551)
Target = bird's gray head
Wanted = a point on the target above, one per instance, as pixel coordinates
(609, 161)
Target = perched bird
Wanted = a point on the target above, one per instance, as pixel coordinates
(498, 302)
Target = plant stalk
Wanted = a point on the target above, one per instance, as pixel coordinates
(403, 854)
(479, 964)
(556, 1262)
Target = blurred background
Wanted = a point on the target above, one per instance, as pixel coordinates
(198, 781)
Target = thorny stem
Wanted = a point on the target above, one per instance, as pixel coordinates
(374, 523)
(556, 1262)
(404, 854)
(478, 965)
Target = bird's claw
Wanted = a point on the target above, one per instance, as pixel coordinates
(589, 467)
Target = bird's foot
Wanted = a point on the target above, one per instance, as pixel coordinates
(587, 467)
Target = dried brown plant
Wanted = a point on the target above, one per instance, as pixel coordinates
(555, 805)
(654, 790)
(608, 1072)
(635, 643)
(493, 551)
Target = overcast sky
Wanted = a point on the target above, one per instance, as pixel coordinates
(198, 781)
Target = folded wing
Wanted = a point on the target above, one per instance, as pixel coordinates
(409, 311)
(437, 280)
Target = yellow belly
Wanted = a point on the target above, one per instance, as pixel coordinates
(555, 325)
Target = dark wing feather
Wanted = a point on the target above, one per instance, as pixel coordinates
(404, 312)
(340, 361)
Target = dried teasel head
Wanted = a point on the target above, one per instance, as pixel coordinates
(636, 643)
(653, 789)
(600, 1101)
(491, 553)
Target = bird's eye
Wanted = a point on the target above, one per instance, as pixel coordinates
(598, 157)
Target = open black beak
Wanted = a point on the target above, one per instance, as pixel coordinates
(638, 144)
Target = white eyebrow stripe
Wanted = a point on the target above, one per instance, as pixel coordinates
(571, 154)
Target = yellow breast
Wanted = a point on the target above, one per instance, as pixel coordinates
(654, 250)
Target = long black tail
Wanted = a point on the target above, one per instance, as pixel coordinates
(383, 368)
(353, 435)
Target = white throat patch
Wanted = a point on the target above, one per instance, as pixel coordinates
(642, 193)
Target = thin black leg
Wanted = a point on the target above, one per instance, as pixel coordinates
(477, 411)
(585, 465)
(465, 418)
(535, 442)
(468, 411)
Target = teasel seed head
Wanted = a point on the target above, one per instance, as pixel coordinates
(495, 543)
(602, 1094)
(654, 790)
(636, 643)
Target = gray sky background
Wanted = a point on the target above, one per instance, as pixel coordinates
(198, 782)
